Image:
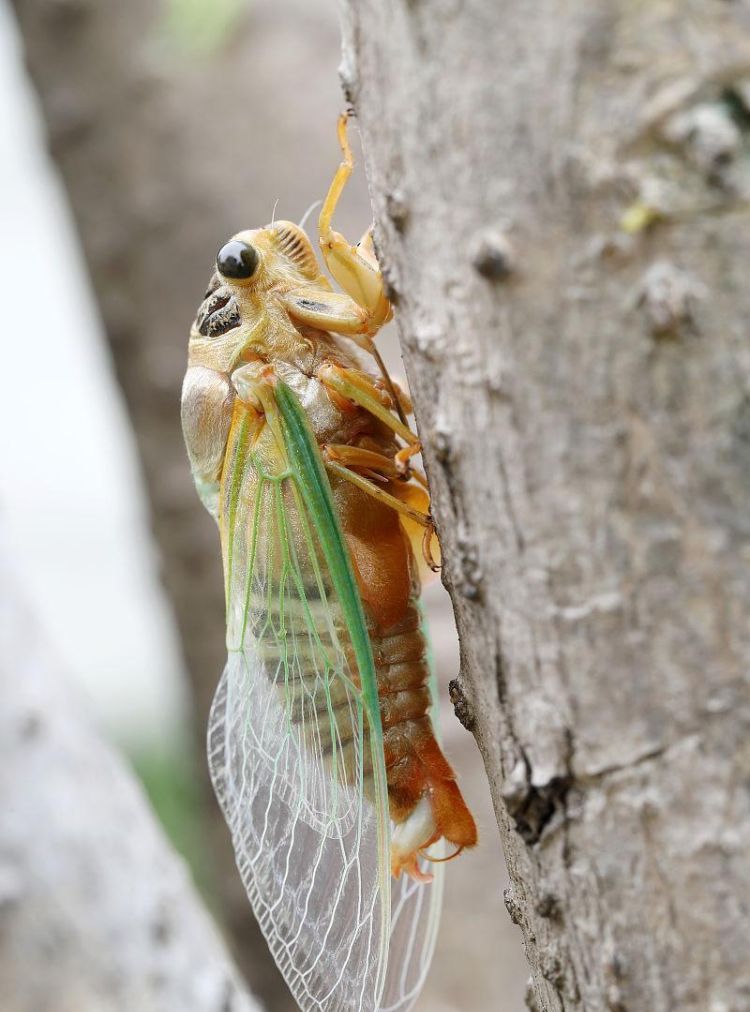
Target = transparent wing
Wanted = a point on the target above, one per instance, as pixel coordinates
(415, 918)
(295, 750)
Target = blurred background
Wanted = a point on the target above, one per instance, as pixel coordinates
(138, 138)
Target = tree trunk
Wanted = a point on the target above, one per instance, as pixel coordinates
(560, 192)
(96, 912)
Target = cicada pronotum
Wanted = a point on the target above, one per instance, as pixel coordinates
(322, 748)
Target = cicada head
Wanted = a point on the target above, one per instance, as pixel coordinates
(237, 307)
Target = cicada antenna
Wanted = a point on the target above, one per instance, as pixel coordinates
(309, 211)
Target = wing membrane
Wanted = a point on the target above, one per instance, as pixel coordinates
(295, 742)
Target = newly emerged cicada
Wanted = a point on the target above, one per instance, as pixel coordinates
(322, 749)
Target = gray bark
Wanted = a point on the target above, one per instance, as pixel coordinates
(97, 913)
(561, 195)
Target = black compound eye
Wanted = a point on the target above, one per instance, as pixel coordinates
(237, 260)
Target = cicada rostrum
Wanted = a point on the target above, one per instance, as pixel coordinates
(322, 745)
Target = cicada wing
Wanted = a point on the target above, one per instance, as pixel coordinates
(296, 748)
(415, 918)
(316, 890)
(295, 755)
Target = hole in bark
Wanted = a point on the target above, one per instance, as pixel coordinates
(533, 812)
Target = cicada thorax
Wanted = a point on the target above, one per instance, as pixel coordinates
(293, 243)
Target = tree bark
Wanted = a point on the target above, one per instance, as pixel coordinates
(560, 194)
(96, 912)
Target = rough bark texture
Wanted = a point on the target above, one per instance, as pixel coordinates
(165, 155)
(583, 393)
(97, 913)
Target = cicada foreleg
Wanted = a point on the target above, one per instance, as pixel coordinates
(354, 267)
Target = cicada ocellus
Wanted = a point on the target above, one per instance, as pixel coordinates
(322, 747)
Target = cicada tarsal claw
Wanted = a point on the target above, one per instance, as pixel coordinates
(429, 533)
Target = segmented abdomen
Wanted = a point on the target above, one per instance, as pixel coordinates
(321, 708)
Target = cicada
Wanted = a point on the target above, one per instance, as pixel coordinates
(322, 743)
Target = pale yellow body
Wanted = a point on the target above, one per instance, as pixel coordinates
(273, 315)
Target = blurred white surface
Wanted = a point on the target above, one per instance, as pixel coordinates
(71, 501)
